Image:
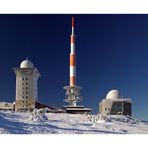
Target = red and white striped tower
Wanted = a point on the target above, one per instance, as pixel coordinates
(72, 95)
(72, 57)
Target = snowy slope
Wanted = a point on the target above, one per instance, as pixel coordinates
(62, 123)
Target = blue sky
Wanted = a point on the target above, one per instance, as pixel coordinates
(112, 53)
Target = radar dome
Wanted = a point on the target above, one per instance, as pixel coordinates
(114, 95)
(26, 64)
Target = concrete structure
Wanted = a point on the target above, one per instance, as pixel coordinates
(72, 95)
(26, 86)
(6, 106)
(115, 104)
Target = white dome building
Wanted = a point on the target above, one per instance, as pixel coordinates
(26, 64)
(115, 104)
(26, 86)
(114, 95)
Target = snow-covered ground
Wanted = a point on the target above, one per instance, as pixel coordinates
(62, 123)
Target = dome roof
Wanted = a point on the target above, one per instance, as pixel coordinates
(114, 95)
(26, 64)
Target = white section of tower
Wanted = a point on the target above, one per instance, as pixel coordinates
(72, 71)
(72, 48)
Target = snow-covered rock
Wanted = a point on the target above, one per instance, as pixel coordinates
(38, 115)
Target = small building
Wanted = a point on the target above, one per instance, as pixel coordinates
(115, 104)
(6, 106)
(26, 86)
(77, 110)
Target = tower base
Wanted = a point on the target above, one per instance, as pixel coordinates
(72, 95)
(77, 110)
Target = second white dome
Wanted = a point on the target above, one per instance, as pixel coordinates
(114, 95)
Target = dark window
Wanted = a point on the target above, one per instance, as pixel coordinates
(26, 97)
(26, 83)
(22, 78)
(26, 78)
(117, 108)
(26, 92)
(26, 87)
(107, 109)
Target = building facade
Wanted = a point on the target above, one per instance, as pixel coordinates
(26, 86)
(6, 106)
(115, 104)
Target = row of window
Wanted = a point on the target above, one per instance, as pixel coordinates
(24, 78)
(26, 83)
(25, 105)
(24, 92)
(107, 109)
(24, 101)
(25, 97)
(24, 88)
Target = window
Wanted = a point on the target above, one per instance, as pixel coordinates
(107, 109)
(116, 108)
(26, 87)
(26, 92)
(26, 97)
(26, 78)
(26, 83)
(22, 78)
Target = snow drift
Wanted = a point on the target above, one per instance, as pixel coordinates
(40, 122)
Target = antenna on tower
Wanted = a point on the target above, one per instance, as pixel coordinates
(72, 95)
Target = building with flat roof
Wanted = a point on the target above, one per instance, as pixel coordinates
(6, 106)
(26, 86)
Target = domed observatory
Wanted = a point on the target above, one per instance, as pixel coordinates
(26, 86)
(115, 104)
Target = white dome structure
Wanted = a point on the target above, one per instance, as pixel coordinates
(114, 95)
(26, 64)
